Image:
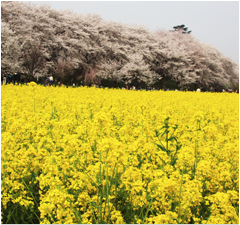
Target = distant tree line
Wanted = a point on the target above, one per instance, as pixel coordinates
(39, 41)
(182, 28)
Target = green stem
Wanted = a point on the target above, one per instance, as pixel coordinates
(11, 214)
(147, 211)
(100, 187)
(92, 208)
(30, 192)
(108, 220)
(179, 199)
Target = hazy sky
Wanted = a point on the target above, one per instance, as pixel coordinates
(212, 22)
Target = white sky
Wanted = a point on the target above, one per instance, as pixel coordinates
(212, 22)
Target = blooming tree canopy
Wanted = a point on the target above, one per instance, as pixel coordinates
(112, 50)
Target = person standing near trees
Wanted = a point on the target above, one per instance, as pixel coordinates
(9, 78)
(51, 80)
(131, 84)
(139, 85)
(4, 79)
(47, 82)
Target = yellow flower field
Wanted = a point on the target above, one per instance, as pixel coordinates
(89, 155)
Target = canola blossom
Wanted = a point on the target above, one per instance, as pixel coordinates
(89, 155)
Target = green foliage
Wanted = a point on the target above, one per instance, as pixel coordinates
(169, 140)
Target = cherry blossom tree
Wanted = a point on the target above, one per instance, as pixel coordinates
(32, 58)
(91, 77)
(63, 69)
(200, 63)
(10, 50)
(112, 50)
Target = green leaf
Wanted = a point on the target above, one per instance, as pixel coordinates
(157, 133)
(165, 132)
(174, 160)
(163, 149)
(172, 138)
(178, 147)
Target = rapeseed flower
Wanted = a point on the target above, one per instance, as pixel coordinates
(89, 155)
